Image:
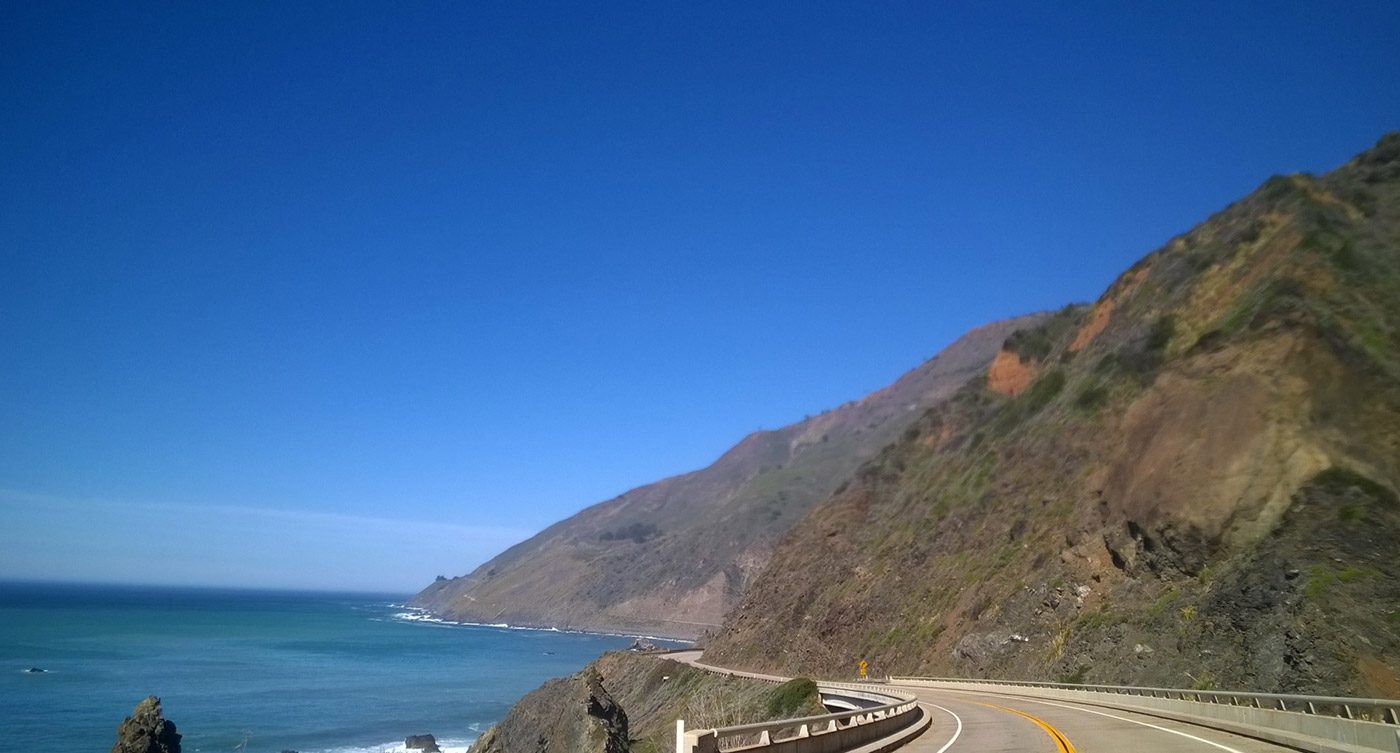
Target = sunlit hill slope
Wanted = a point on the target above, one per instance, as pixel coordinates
(1190, 482)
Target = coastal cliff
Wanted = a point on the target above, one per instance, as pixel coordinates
(673, 557)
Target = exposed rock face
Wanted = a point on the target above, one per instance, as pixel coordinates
(574, 714)
(1197, 486)
(1008, 375)
(147, 731)
(612, 720)
(671, 558)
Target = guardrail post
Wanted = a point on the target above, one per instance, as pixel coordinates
(704, 741)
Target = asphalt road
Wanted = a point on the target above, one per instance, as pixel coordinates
(974, 722)
(986, 722)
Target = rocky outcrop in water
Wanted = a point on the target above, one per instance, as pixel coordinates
(147, 731)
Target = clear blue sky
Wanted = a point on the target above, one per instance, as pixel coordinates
(352, 294)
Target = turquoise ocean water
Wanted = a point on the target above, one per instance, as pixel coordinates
(261, 671)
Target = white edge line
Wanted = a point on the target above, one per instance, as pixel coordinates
(1133, 721)
(957, 719)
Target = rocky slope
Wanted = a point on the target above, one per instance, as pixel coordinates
(630, 702)
(671, 558)
(1191, 482)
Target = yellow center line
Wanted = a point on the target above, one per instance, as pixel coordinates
(1060, 740)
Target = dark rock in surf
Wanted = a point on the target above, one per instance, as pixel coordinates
(147, 731)
(426, 743)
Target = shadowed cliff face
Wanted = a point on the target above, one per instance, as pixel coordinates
(671, 558)
(1189, 483)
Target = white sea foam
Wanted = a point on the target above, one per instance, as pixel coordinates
(451, 745)
(419, 615)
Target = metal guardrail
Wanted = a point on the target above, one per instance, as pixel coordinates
(1383, 710)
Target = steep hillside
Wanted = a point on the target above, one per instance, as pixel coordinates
(630, 702)
(672, 557)
(1192, 482)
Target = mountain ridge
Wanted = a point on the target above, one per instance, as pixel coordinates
(671, 557)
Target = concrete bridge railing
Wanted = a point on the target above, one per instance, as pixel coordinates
(1322, 724)
(883, 713)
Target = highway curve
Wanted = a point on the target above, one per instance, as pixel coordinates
(968, 722)
(978, 722)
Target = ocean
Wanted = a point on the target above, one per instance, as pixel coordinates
(260, 671)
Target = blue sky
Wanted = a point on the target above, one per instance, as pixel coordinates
(348, 295)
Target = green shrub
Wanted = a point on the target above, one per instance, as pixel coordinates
(1331, 245)
(1107, 364)
(1037, 343)
(788, 698)
(1146, 358)
(1076, 677)
(1320, 579)
(1353, 574)
(1205, 682)
(1043, 390)
(1028, 403)
(1160, 605)
(1277, 187)
(1030, 344)
(1091, 398)
(1208, 340)
(1339, 480)
(1161, 333)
